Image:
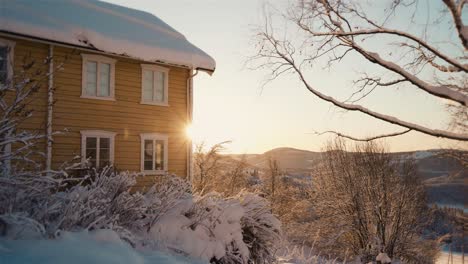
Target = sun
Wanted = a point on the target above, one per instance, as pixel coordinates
(189, 131)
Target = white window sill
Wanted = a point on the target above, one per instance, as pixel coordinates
(98, 98)
(156, 172)
(154, 103)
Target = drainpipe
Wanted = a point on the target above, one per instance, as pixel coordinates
(190, 119)
(50, 103)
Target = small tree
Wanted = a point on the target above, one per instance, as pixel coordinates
(237, 177)
(16, 95)
(366, 204)
(206, 166)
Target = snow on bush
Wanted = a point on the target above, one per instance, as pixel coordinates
(302, 254)
(166, 217)
(261, 229)
(383, 258)
(207, 227)
(234, 230)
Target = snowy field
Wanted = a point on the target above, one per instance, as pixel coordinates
(103, 247)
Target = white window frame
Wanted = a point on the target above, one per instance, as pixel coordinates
(98, 59)
(11, 55)
(155, 68)
(154, 136)
(97, 134)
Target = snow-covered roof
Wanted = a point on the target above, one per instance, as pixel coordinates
(106, 27)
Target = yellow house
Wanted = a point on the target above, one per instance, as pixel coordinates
(120, 83)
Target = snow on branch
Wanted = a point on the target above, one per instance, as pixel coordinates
(441, 91)
(457, 12)
(330, 31)
(278, 50)
(363, 139)
(382, 30)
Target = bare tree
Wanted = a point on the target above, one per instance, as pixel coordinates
(17, 94)
(237, 177)
(328, 31)
(366, 204)
(274, 173)
(207, 166)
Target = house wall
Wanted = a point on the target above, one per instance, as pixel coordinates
(29, 63)
(125, 116)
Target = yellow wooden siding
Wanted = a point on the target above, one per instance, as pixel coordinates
(25, 53)
(125, 116)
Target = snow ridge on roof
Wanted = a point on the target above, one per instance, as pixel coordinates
(103, 26)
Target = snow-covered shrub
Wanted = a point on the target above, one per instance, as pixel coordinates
(383, 258)
(207, 227)
(238, 229)
(301, 254)
(167, 216)
(103, 202)
(260, 228)
(97, 200)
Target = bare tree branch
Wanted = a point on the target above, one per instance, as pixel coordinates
(457, 19)
(330, 30)
(421, 42)
(363, 139)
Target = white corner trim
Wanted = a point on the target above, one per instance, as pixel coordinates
(99, 134)
(156, 68)
(154, 136)
(11, 56)
(99, 59)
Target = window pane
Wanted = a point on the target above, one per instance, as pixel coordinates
(159, 153)
(91, 80)
(3, 64)
(104, 143)
(104, 152)
(104, 79)
(160, 82)
(91, 151)
(148, 155)
(91, 143)
(104, 157)
(147, 85)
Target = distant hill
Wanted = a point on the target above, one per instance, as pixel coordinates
(445, 177)
(289, 159)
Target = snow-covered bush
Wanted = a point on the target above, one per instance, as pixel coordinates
(167, 216)
(221, 230)
(261, 229)
(97, 200)
(207, 227)
(301, 254)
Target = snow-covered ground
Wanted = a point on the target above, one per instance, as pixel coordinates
(103, 247)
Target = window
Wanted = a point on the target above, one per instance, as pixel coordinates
(98, 77)
(154, 85)
(153, 153)
(97, 147)
(6, 60)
